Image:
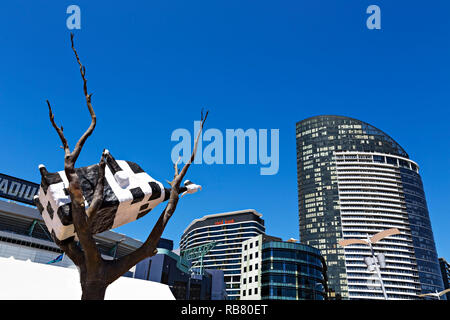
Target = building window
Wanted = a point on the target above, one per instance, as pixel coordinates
(245, 281)
(256, 290)
(251, 256)
(245, 258)
(256, 278)
(251, 245)
(249, 292)
(245, 269)
(245, 247)
(249, 268)
(250, 280)
(243, 293)
(256, 254)
(256, 266)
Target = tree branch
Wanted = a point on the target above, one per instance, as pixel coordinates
(187, 165)
(76, 151)
(80, 219)
(58, 130)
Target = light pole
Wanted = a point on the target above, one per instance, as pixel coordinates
(435, 294)
(375, 262)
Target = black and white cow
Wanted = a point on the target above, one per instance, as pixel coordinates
(129, 194)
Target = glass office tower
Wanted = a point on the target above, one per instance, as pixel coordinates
(229, 230)
(353, 181)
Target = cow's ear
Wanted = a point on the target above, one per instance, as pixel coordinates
(43, 170)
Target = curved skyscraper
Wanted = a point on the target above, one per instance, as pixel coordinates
(354, 181)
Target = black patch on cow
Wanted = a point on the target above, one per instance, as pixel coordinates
(88, 177)
(48, 179)
(104, 219)
(156, 191)
(50, 210)
(135, 167)
(65, 214)
(143, 207)
(138, 194)
(166, 194)
(143, 213)
(182, 189)
(39, 205)
(112, 164)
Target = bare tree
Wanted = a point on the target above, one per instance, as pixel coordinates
(97, 273)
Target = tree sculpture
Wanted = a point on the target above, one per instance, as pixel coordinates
(96, 273)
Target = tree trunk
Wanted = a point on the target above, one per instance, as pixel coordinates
(93, 290)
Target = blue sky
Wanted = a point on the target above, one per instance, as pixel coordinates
(153, 65)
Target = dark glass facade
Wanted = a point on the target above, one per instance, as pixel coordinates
(445, 271)
(379, 186)
(292, 271)
(422, 235)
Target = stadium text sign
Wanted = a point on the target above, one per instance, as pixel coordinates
(17, 189)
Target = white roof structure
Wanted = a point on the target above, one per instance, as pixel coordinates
(26, 280)
(223, 214)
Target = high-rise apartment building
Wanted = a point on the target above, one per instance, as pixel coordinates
(228, 230)
(353, 181)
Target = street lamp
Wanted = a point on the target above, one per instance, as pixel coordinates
(435, 294)
(375, 262)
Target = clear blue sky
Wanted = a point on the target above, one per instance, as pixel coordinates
(153, 65)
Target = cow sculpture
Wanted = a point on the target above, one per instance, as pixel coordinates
(129, 193)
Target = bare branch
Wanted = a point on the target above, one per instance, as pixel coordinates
(92, 256)
(175, 166)
(80, 143)
(58, 130)
(187, 165)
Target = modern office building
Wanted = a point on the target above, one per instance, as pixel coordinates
(228, 230)
(445, 271)
(169, 268)
(272, 269)
(353, 181)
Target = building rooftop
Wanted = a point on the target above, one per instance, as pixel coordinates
(224, 214)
